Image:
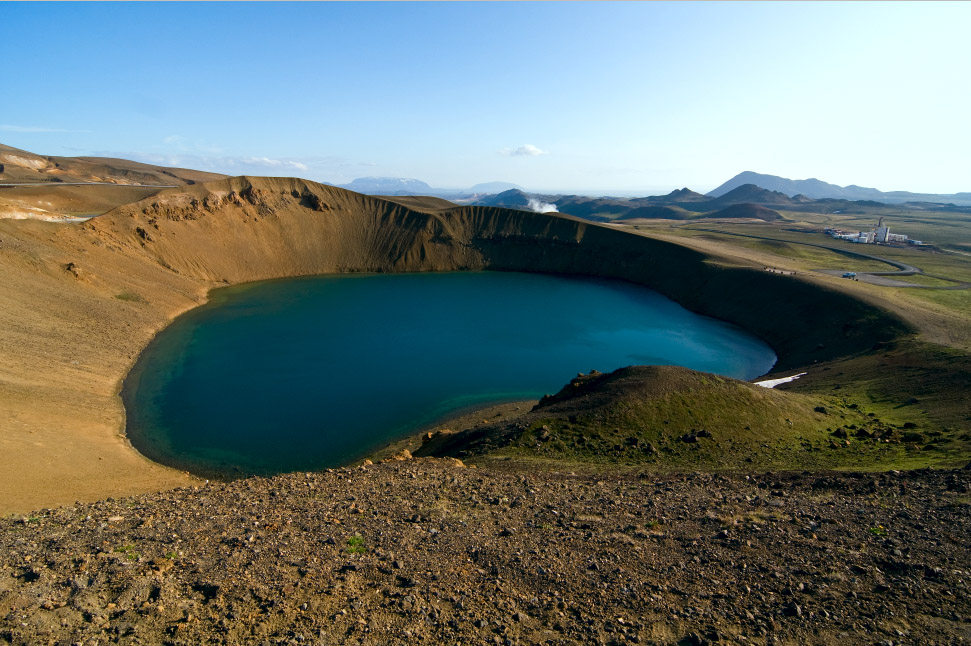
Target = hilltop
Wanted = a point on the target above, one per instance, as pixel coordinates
(388, 186)
(671, 418)
(681, 204)
(400, 186)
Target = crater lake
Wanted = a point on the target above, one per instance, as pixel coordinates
(315, 372)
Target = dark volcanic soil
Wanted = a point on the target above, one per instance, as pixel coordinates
(427, 551)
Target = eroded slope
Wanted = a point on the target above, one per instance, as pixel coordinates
(80, 302)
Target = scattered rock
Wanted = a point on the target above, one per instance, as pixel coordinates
(528, 558)
(73, 268)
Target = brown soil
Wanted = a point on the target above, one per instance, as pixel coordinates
(53, 202)
(425, 551)
(50, 193)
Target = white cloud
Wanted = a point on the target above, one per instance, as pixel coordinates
(527, 150)
(273, 163)
(10, 128)
(229, 165)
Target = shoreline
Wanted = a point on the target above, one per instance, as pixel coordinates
(461, 418)
(153, 438)
(452, 422)
(81, 302)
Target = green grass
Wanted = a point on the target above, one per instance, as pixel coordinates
(790, 247)
(355, 545)
(956, 300)
(927, 281)
(909, 381)
(745, 427)
(131, 297)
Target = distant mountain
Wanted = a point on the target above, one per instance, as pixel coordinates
(676, 196)
(749, 194)
(590, 208)
(400, 186)
(818, 189)
(512, 199)
(813, 188)
(656, 213)
(682, 204)
(751, 211)
(388, 186)
(494, 187)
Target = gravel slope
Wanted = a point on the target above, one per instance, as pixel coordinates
(428, 551)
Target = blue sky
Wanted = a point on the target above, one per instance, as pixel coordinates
(581, 97)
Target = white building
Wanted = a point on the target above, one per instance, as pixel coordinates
(879, 235)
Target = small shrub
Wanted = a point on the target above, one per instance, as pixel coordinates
(355, 545)
(131, 297)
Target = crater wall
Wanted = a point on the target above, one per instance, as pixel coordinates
(79, 302)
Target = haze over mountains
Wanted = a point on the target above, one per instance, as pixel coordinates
(681, 204)
(399, 186)
(799, 190)
(818, 189)
(767, 192)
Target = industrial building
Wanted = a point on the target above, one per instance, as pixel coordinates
(880, 235)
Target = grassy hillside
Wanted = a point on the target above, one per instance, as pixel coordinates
(673, 419)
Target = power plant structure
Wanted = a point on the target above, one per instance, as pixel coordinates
(879, 235)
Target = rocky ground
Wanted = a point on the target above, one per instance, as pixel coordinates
(429, 551)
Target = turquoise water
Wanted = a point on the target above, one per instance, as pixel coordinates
(308, 373)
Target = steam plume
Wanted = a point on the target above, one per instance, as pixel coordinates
(538, 206)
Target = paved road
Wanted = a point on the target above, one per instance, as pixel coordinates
(872, 277)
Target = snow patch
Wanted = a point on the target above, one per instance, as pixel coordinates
(772, 383)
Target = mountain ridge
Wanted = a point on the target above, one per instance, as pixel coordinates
(21, 166)
(818, 189)
(680, 204)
